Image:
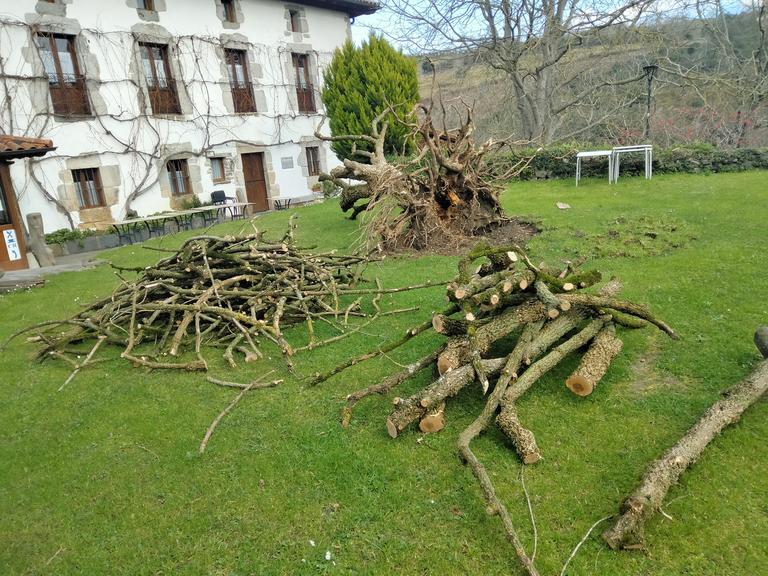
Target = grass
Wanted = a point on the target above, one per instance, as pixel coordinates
(104, 477)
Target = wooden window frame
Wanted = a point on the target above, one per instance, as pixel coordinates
(294, 19)
(220, 161)
(171, 168)
(230, 14)
(82, 176)
(313, 160)
(242, 96)
(162, 100)
(68, 95)
(305, 91)
(6, 208)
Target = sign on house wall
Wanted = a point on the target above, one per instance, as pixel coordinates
(12, 245)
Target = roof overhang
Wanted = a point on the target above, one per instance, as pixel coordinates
(12, 147)
(351, 7)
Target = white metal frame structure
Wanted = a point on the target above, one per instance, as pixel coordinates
(646, 149)
(595, 154)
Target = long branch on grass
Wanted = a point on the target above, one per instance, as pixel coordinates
(385, 386)
(253, 385)
(662, 474)
(87, 360)
(581, 542)
(530, 515)
(495, 505)
(382, 350)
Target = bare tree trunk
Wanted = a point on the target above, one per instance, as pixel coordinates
(661, 475)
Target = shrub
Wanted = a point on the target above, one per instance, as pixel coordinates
(360, 83)
(65, 235)
(560, 161)
(191, 202)
(330, 189)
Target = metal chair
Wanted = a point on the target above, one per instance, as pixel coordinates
(283, 204)
(220, 198)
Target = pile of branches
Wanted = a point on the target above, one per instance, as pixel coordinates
(545, 314)
(440, 196)
(231, 293)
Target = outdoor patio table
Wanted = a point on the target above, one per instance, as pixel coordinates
(594, 154)
(154, 225)
(646, 149)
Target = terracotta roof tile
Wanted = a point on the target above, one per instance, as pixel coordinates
(10, 145)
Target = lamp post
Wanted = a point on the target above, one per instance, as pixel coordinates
(650, 72)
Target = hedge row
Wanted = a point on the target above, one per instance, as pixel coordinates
(560, 161)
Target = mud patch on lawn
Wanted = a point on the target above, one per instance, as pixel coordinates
(632, 238)
(647, 378)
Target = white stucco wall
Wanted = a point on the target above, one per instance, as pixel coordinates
(132, 144)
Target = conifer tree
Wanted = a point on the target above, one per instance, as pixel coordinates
(360, 83)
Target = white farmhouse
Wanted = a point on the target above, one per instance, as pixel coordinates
(153, 102)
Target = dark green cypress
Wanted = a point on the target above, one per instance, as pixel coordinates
(360, 83)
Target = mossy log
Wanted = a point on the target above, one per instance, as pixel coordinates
(662, 474)
(408, 410)
(595, 362)
(459, 351)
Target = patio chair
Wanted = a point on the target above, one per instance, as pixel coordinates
(282, 204)
(220, 198)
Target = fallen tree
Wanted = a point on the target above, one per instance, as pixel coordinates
(662, 474)
(438, 197)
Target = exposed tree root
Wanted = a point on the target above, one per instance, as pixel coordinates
(442, 195)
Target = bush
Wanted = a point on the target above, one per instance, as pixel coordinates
(360, 83)
(191, 202)
(330, 190)
(65, 235)
(560, 161)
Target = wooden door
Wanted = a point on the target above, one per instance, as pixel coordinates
(255, 181)
(13, 248)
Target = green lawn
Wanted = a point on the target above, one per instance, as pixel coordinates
(105, 478)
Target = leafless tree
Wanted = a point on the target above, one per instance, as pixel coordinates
(740, 72)
(533, 43)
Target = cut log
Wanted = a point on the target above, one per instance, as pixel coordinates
(552, 303)
(595, 362)
(411, 409)
(761, 340)
(386, 385)
(443, 324)
(458, 351)
(434, 421)
(661, 475)
(520, 436)
(522, 439)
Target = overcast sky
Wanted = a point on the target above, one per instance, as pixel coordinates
(363, 24)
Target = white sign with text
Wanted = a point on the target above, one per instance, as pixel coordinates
(12, 245)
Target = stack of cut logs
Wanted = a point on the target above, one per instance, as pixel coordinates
(547, 313)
